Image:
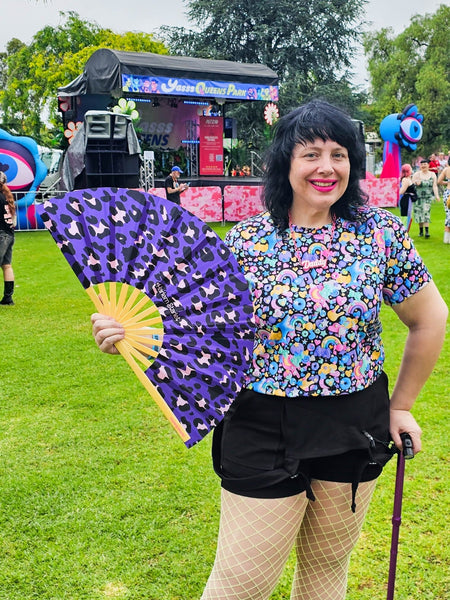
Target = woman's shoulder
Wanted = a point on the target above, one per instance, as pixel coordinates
(378, 218)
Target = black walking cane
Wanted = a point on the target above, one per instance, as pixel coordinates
(406, 453)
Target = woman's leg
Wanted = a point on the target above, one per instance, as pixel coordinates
(8, 285)
(255, 539)
(327, 536)
(8, 273)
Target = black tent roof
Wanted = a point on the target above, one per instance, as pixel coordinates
(103, 71)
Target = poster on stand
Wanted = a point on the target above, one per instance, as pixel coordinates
(211, 146)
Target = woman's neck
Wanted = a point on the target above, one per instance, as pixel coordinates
(310, 221)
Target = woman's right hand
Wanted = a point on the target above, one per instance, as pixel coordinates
(107, 332)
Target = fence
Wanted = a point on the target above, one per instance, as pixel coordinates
(211, 204)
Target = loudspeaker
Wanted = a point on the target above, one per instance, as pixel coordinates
(106, 130)
(98, 125)
(107, 161)
(111, 169)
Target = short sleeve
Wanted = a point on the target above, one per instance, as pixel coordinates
(405, 271)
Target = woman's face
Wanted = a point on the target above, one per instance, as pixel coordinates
(424, 167)
(319, 174)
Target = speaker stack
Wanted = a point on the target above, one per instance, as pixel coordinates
(107, 160)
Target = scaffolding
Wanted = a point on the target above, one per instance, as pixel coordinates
(192, 142)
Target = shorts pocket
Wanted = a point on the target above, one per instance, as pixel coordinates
(251, 435)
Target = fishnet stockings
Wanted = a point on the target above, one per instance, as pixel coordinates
(257, 535)
(255, 539)
(328, 534)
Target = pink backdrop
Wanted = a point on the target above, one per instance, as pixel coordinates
(241, 201)
(203, 202)
(382, 192)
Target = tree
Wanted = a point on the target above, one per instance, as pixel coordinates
(414, 67)
(31, 75)
(308, 44)
(307, 41)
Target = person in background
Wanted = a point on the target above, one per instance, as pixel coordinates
(173, 188)
(442, 165)
(426, 189)
(7, 223)
(433, 164)
(442, 161)
(444, 180)
(301, 447)
(408, 193)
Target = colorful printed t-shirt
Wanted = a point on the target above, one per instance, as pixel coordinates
(318, 328)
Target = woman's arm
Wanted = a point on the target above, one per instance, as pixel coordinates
(406, 182)
(435, 188)
(443, 176)
(425, 314)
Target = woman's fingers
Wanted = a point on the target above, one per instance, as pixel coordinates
(107, 332)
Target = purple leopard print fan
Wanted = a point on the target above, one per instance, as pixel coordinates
(176, 288)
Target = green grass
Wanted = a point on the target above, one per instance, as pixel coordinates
(100, 499)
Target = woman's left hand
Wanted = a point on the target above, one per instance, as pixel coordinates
(402, 421)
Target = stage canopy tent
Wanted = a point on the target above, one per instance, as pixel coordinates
(115, 72)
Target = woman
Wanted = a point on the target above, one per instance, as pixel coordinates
(300, 449)
(408, 193)
(426, 188)
(7, 221)
(445, 177)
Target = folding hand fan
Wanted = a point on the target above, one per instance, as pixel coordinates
(174, 285)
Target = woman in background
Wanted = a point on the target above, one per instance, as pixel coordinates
(426, 188)
(7, 222)
(408, 193)
(443, 178)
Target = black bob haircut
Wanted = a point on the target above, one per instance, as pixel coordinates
(316, 119)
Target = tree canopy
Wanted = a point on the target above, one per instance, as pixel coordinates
(305, 43)
(414, 67)
(308, 44)
(30, 75)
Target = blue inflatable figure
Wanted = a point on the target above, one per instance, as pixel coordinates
(399, 130)
(25, 171)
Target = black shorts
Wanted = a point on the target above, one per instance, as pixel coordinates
(6, 246)
(273, 446)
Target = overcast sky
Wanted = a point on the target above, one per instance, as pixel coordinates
(23, 18)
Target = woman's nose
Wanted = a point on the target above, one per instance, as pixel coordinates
(326, 164)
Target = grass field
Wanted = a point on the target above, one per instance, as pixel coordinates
(99, 498)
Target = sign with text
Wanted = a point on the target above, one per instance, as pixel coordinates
(198, 88)
(211, 146)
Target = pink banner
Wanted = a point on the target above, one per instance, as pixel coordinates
(203, 202)
(211, 146)
(382, 192)
(241, 201)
